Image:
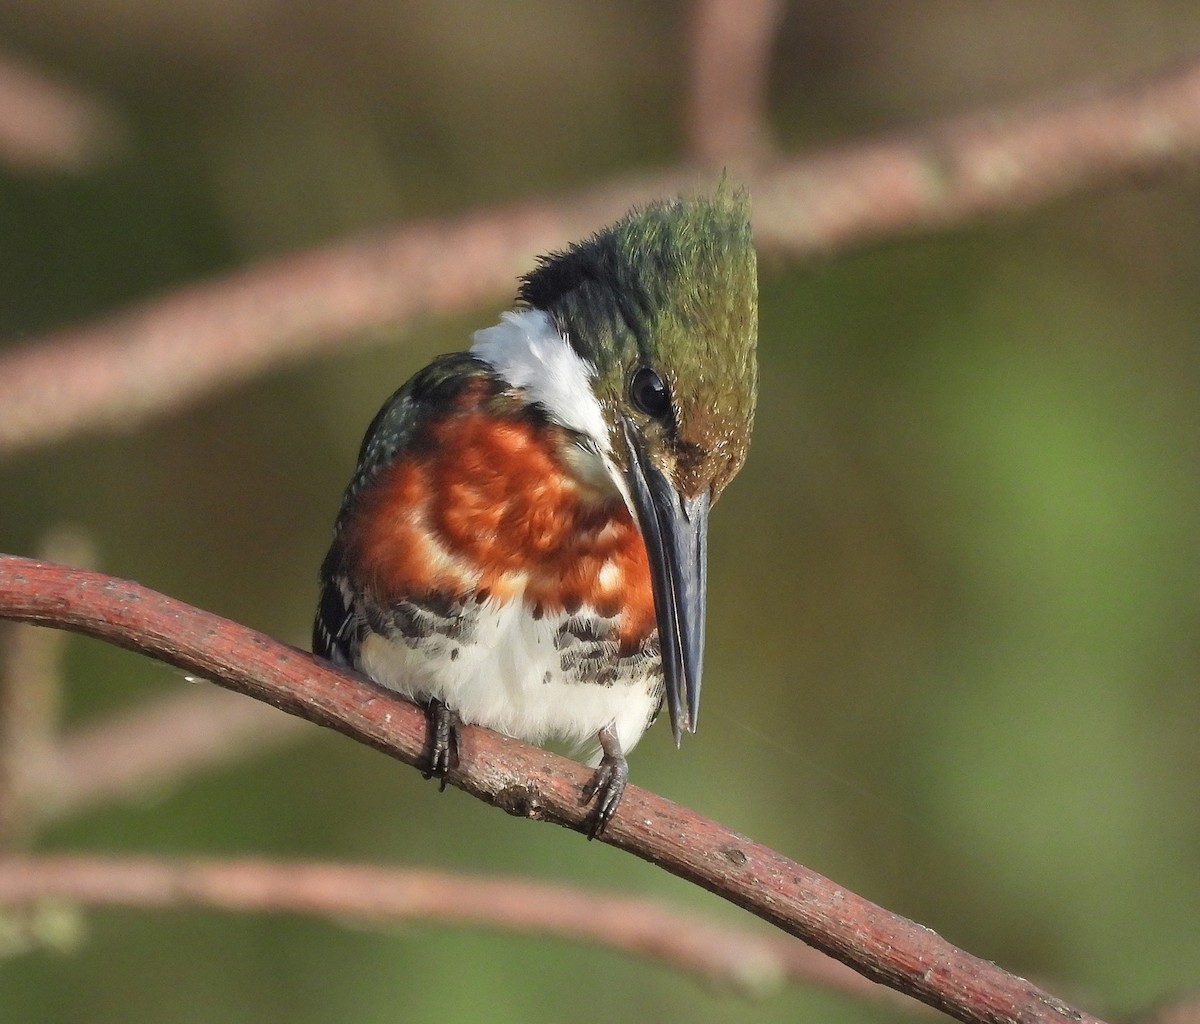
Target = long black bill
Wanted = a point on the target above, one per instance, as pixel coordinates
(675, 530)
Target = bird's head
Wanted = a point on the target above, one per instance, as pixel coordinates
(662, 308)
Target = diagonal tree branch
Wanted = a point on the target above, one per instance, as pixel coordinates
(639, 927)
(529, 782)
(153, 357)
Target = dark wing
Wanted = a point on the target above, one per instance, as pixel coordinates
(337, 628)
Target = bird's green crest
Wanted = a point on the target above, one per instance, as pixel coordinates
(671, 286)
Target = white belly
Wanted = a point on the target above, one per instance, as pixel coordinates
(510, 678)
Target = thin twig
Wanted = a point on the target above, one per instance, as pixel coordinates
(156, 356)
(533, 783)
(639, 927)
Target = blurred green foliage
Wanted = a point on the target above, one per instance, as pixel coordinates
(953, 647)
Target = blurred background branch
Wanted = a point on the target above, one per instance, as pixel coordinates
(730, 50)
(128, 756)
(150, 359)
(48, 126)
(749, 963)
(1183, 1010)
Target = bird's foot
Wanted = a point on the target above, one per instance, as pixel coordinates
(443, 739)
(608, 782)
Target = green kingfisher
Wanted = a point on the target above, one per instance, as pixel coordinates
(524, 542)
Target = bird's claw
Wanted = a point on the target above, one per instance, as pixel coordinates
(443, 739)
(607, 783)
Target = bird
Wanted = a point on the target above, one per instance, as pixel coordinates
(523, 543)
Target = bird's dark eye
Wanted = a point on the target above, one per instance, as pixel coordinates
(648, 391)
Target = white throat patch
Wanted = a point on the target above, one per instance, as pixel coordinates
(528, 352)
